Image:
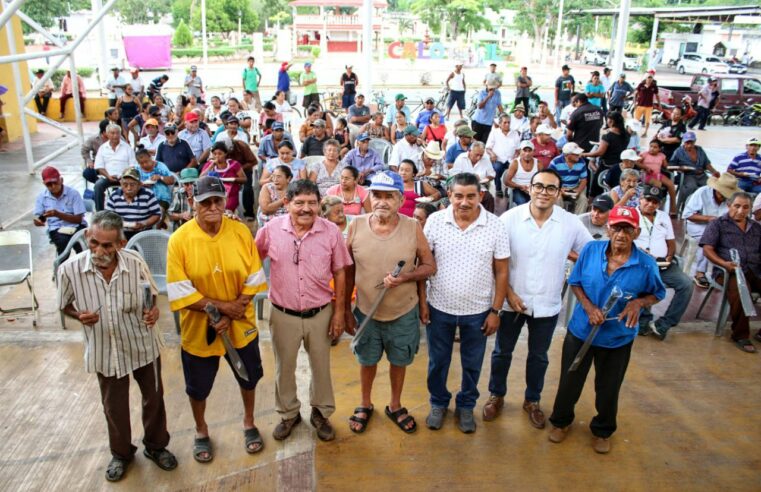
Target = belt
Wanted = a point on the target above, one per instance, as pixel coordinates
(309, 313)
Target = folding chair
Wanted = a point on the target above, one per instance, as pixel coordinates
(723, 304)
(16, 268)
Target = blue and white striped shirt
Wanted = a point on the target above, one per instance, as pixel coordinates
(142, 207)
(743, 163)
(570, 175)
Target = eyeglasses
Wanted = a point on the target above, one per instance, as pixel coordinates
(540, 188)
(297, 246)
(625, 229)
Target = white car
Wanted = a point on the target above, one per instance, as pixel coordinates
(594, 56)
(697, 63)
(631, 61)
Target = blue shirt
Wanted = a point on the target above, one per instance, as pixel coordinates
(70, 202)
(453, 151)
(267, 149)
(199, 141)
(424, 118)
(680, 157)
(570, 175)
(486, 115)
(638, 277)
(595, 89)
(283, 81)
(744, 164)
(159, 188)
(369, 163)
(296, 165)
(391, 114)
(618, 93)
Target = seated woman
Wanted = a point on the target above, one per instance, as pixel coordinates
(214, 111)
(332, 208)
(414, 189)
(286, 156)
(655, 165)
(627, 193)
(272, 195)
(283, 108)
(327, 173)
(375, 127)
(228, 170)
(353, 195)
(342, 136)
(397, 129)
(435, 131)
(267, 117)
(519, 174)
(155, 176)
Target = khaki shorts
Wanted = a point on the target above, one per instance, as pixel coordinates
(645, 111)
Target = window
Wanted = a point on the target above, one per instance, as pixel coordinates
(730, 86)
(700, 81)
(752, 86)
(713, 59)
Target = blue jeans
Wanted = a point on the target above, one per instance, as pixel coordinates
(440, 333)
(675, 279)
(540, 332)
(559, 109)
(499, 168)
(347, 100)
(746, 184)
(519, 197)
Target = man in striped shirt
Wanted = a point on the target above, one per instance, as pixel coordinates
(102, 288)
(136, 205)
(573, 173)
(747, 167)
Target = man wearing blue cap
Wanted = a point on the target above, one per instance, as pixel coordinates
(366, 160)
(378, 241)
(269, 143)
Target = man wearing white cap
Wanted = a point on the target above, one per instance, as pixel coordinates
(629, 160)
(502, 147)
(520, 172)
(545, 148)
(477, 162)
(573, 173)
(747, 167)
(193, 83)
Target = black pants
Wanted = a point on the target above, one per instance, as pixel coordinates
(99, 190)
(701, 119)
(610, 368)
(309, 99)
(248, 194)
(62, 240)
(111, 103)
(482, 131)
(616, 108)
(604, 105)
(42, 103)
(524, 101)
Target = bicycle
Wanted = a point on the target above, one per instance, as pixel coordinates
(438, 104)
(330, 102)
(380, 100)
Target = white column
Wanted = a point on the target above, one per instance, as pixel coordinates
(367, 48)
(623, 21)
(295, 33)
(103, 72)
(19, 90)
(324, 34)
(559, 33)
(654, 35)
(205, 41)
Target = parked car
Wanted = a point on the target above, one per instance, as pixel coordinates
(595, 56)
(734, 90)
(738, 68)
(697, 63)
(631, 61)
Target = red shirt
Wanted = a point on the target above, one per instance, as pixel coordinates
(645, 94)
(545, 153)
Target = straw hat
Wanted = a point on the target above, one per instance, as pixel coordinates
(433, 151)
(726, 184)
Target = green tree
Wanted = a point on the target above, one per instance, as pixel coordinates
(461, 16)
(222, 16)
(181, 11)
(183, 38)
(142, 11)
(45, 12)
(275, 11)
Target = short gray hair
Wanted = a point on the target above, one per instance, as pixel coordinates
(477, 145)
(108, 221)
(113, 126)
(628, 173)
(739, 194)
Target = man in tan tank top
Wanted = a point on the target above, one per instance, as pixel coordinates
(378, 242)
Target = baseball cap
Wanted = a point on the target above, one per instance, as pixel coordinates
(622, 75)
(543, 129)
(188, 175)
(50, 175)
(307, 64)
(232, 119)
(519, 107)
(603, 203)
(429, 100)
(400, 97)
(753, 141)
(689, 137)
(363, 137)
(152, 121)
(464, 131)
(193, 68)
(284, 65)
(630, 155)
(652, 192)
(170, 129)
(318, 122)
(131, 173)
(565, 67)
(526, 144)
(410, 130)
(572, 148)
(207, 187)
(651, 72)
(191, 116)
(624, 215)
(386, 181)
(277, 126)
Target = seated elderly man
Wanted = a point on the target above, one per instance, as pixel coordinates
(747, 166)
(196, 137)
(313, 143)
(364, 159)
(175, 152)
(596, 221)
(90, 149)
(502, 147)
(464, 137)
(112, 159)
(707, 204)
(134, 203)
(734, 230)
(657, 239)
(269, 143)
(406, 148)
(60, 208)
(476, 161)
(573, 171)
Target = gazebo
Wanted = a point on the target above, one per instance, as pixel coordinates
(338, 25)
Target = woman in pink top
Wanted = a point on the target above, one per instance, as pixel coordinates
(353, 195)
(228, 170)
(67, 92)
(413, 189)
(654, 163)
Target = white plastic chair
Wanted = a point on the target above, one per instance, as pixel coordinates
(382, 147)
(16, 268)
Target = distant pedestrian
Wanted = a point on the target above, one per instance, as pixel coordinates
(456, 85)
(308, 80)
(252, 78)
(349, 82)
(523, 89)
(284, 80)
(193, 84)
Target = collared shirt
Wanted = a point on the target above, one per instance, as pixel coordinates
(744, 163)
(70, 202)
(538, 256)
(295, 165)
(486, 115)
(222, 267)
(638, 277)
(142, 207)
(619, 92)
(67, 86)
(194, 89)
(301, 269)
(424, 118)
(199, 140)
(391, 114)
(503, 146)
(267, 149)
(119, 342)
(723, 234)
(152, 144)
(177, 156)
(464, 280)
(454, 151)
(370, 162)
(137, 85)
(646, 94)
(113, 91)
(482, 169)
(702, 202)
(653, 235)
(521, 125)
(115, 161)
(47, 87)
(680, 157)
(404, 150)
(569, 175)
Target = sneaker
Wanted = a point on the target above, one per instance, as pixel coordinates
(701, 281)
(435, 419)
(557, 434)
(465, 421)
(601, 445)
(653, 329)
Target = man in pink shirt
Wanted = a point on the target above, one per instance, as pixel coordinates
(67, 92)
(305, 252)
(545, 148)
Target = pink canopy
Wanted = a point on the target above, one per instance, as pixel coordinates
(149, 51)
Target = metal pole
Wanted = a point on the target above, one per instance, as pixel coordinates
(19, 91)
(205, 42)
(367, 47)
(613, 34)
(623, 21)
(34, 25)
(9, 10)
(654, 35)
(559, 32)
(77, 98)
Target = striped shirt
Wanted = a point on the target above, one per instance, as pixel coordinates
(140, 209)
(569, 175)
(744, 163)
(119, 342)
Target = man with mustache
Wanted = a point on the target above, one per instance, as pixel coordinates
(102, 288)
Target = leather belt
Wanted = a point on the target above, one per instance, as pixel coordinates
(309, 313)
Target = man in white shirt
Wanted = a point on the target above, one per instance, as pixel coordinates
(605, 81)
(502, 147)
(151, 141)
(542, 236)
(465, 294)
(477, 162)
(519, 122)
(112, 159)
(115, 86)
(406, 148)
(657, 239)
(138, 87)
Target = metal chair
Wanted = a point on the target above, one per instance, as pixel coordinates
(16, 267)
(602, 180)
(78, 239)
(382, 147)
(723, 304)
(688, 251)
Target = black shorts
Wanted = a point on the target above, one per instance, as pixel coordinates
(456, 97)
(201, 371)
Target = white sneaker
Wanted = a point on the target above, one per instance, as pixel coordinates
(653, 328)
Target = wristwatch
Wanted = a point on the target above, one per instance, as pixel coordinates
(494, 311)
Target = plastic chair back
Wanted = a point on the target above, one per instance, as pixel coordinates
(152, 246)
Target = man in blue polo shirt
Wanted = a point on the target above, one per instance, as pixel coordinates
(603, 265)
(573, 173)
(747, 167)
(60, 208)
(269, 144)
(399, 105)
(464, 139)
(135, 204)
(174, 152)
(489, 102)
(424, 116)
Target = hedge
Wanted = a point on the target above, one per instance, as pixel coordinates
(198, 52)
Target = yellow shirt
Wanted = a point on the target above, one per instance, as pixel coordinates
(222, 268)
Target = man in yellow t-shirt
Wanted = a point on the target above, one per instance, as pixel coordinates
(213, 260)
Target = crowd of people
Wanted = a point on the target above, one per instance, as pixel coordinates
(380, 222)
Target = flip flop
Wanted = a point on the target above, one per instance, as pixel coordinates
(116, 469)
(746, 346)
(361, 421)
(252, 436)
(202, 445)
(162, 457)
(394, 416)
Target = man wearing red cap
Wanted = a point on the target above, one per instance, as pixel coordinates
(198, 139)
(284, 80)
(602, 266)
(59, 207)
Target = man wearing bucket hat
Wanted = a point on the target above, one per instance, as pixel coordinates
(707, 204)
(747, 166)
(181, 208)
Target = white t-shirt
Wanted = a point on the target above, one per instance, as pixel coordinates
(146, 142)
(653, 236)
(504, 146)
(483, 168)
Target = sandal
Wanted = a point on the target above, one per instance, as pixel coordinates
(162, 457)
(746, 346)
(403, 423)
(116, 469)
(252, 436)
(361, 421)
(202, 445)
